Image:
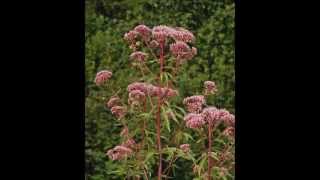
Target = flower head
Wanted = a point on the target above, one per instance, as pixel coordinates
(229, 132)
(102, 77)
(181, 34)
(160, 33)
(185, 147)
(119, 111)
(194, 103)
(227, 117)
(119, 152)
(210, 115)
(179, 48)
(113, 101)
(210, 87)
(130, 143)
(136, 97)
(194, 120)
(138, 86)
(131, 36)
(144, 31)
(139, 56)
(166, 92)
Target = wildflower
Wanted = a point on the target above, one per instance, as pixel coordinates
(179, 48)
(194, 120)
(210, 87)
(119, 111)
(166, 92)
(102, 77)
(211, 115)
(136, 97)
(227, 117)
(194, 103)
(185, 147)
(160, 33)
(144, 31)
(139, 56)
(130, 143)
(229, 132)
(131, 36)
(138, 86)
(113, 101)
(181, 34)
(119, 152)
(182, 51)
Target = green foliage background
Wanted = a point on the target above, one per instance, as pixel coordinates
(211, 21)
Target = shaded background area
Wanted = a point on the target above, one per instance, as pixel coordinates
(211, 21)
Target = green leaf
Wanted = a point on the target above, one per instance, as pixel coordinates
(166, 120)
(188, 136)
(149, 156)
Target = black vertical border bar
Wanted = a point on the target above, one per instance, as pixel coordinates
(81, 62)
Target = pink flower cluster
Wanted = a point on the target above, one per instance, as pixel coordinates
(119, 111)
(210, 87)
(113, 101)
(210, 115)
(185, 147)
(159, 35)
(229, 132)
(102, 77)
(181, 34)
(194, 120)
(130, 143)
(144, 31)
(182, 51)
(131, 36)
(151, 90)
(114, 104)
(136, 97)
(194, 103)
(213, 116)
(121, 151)
(139, 56)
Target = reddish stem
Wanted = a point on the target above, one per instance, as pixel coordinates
(159, 138)
(161, 59)
(158, 114)
(209, 151)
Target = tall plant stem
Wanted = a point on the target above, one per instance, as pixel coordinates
(159, 112)
(209, 150)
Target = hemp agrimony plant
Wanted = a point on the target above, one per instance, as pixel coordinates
(155, 127)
